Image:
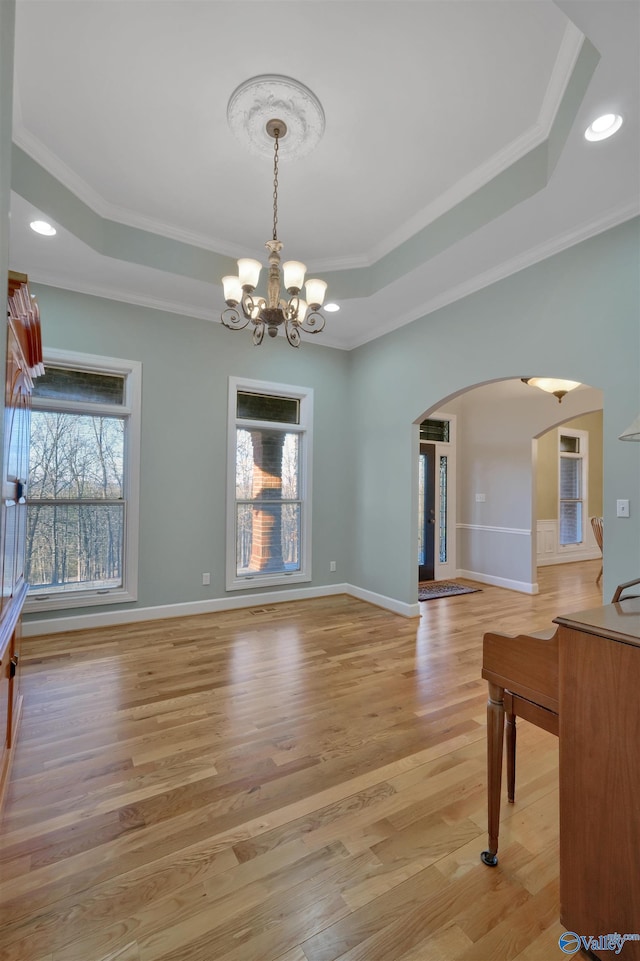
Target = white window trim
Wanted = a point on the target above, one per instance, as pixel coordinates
(583, 455)
(305, 428)
(131, 408)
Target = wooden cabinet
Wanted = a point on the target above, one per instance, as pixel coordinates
(599, 664)
(24, 362)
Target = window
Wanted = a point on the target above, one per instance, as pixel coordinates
(82, 513)
(269, 485)
(572, 486)
(435, 431)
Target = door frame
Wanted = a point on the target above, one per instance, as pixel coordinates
(445, 570)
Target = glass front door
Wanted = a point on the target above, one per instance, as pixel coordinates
(426, 511)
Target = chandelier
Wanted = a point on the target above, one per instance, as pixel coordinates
(272, 312)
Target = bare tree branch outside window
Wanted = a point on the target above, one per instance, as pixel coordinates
(75, 516)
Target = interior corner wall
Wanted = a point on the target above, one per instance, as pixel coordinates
(186, 364)
(574, 315)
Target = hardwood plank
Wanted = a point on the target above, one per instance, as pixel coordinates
(309, 786)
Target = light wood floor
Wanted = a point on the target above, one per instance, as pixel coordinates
(301, 782)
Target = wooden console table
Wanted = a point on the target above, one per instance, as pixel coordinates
(599, 698)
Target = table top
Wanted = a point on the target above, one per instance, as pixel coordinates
(619, 622)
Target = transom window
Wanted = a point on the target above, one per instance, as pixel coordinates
(268, 524)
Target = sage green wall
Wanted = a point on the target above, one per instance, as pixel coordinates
(574, 315)
(185, 369)
(367, 403)
(547, 467)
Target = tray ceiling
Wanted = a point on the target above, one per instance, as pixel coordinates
(452, 154)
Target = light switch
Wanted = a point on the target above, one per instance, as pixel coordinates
(622, 508)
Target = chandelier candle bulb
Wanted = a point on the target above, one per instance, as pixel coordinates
(294, 272)
(232, 290)
(302, 310)
(316, 290)
(249, 273)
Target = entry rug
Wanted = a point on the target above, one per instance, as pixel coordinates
(429, 592)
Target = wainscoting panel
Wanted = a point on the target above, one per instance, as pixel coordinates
(548, 550)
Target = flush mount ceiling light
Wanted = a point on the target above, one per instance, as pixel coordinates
(551, 385)
(263, 112)
(331, 308)
(605, 126)
(42, 227)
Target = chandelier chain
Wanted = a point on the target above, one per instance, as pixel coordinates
(275, 185)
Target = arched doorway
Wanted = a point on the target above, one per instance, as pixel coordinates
(493, 526)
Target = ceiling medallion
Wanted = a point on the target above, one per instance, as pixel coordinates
(243, 306)
(258, 100)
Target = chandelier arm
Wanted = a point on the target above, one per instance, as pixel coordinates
(233, 319)
(313, 322)
(248, 304)
(258, 334)
(290, 308)
(292, 330)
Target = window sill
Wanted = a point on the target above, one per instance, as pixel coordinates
(252, 582)
(60, 602)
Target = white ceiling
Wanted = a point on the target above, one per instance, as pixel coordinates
(124, 103)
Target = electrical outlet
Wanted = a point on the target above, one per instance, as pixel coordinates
(480, 498)
(206, 579)
(332, 565)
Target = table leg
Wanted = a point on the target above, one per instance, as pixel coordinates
(511, 755)
(495, 739)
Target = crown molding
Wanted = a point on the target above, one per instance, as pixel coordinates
(568, 53)
(479, 282)
(527, 259)
(570, 47)
(50, 162)
(35, 149)
(121, 295)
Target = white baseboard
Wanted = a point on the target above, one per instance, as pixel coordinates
(524, 587)
(131, 615)
(380, 600)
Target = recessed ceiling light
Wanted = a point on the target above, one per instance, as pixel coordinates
(605, 126)
(42, 227)
(332, 307)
